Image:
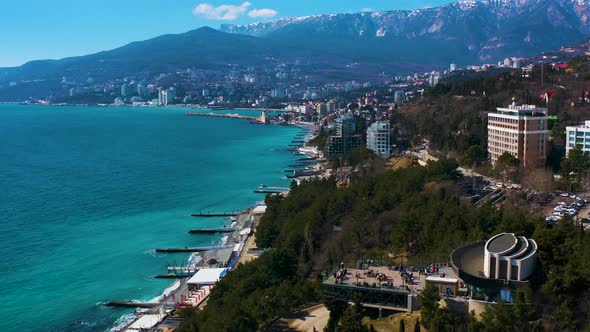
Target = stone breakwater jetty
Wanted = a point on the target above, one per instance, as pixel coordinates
(206, 266)
(217, 214)
(231, 116)
(213, 230)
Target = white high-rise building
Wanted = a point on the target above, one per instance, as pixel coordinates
(453, 67)
(166, 97)
(379, 138)
(399, 97)
(578, 136)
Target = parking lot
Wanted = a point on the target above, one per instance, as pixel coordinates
(566, 205)
(552, 206)
(486, 191)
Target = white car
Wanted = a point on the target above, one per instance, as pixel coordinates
(564, 195)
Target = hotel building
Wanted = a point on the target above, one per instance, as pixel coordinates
(379, 138)
(520, 130)
(578, 136)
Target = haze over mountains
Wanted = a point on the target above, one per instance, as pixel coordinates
(465, 32)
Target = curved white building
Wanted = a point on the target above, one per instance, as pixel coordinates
(509, 257)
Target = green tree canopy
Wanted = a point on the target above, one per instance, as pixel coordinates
(474, 155)
(507, 167)
(574, 168)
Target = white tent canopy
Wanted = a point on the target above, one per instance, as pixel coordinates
(260, 209)
(206, 276)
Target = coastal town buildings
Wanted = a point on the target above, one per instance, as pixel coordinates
(166, 97)
(521, 131)
(322, 109)
(345, 126)
(578, 136)
(125, 90)
(379, 138)
(331, 106)
(345, 139)
(399, 97)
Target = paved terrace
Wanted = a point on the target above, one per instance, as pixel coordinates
(387, 277)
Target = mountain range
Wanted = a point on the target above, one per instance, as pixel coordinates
(464, 32)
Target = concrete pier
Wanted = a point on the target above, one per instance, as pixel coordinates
(131, 304)
(193, 249)
(217, 214)
(217, 115)
(213, 230)
(266, 191)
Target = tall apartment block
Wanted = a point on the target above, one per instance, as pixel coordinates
(345, 139)
(520, 130)
(379, 138)
(578, 136)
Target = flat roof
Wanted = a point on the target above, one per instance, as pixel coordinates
(441, 279)
(502, 243)
(207, 276)
(391, 276)
(144, 322)
(521, 246)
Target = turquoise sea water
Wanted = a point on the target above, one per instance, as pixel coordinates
(87, 193)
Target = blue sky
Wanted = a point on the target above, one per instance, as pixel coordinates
(52, 29)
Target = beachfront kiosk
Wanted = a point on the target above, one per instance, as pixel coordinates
(494, 269)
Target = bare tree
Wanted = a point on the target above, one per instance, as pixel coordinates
(538, 179)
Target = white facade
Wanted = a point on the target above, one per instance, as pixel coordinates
(509, 257)
(379, 138)
(578, 135)
(166, 97)
(399, 97)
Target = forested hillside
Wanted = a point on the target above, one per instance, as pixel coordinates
(412, 212)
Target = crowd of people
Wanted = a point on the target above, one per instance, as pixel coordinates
(406, 274)
(340, 274)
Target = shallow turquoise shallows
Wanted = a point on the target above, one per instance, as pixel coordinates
(87, 193)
